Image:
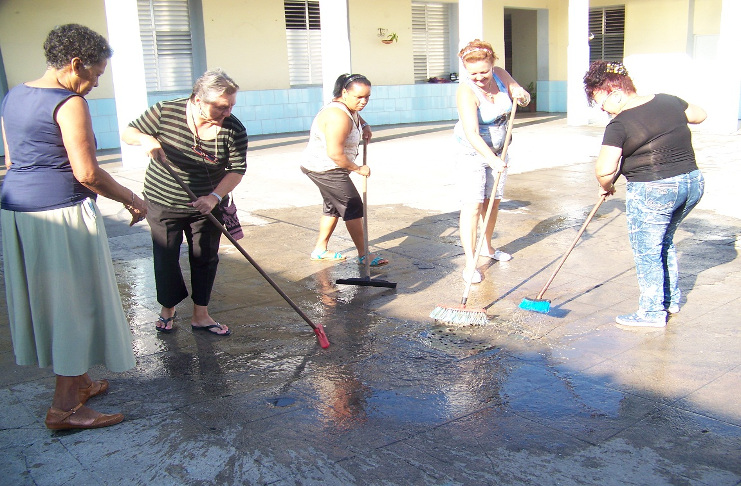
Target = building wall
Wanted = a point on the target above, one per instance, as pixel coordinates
(383, 64)
(24, 26)
(247, 38)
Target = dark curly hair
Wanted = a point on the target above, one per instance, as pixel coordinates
(607, 76)
(66, 42)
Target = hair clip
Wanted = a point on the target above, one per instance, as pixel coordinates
(616, 68)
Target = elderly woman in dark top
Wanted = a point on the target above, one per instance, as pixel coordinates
(651, 135)
(63, 300)
(207, 147)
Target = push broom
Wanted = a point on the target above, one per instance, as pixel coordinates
(318, 328)
(366, 281)
(461, 315)
(538, 304)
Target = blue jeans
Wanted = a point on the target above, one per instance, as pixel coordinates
(654, 211)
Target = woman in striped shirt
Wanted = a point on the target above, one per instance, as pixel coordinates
(207, 147)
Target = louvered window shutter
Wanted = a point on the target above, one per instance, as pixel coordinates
(167, 44)
(607, 26)
(304, 37)
(430, 40)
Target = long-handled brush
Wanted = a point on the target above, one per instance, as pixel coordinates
(365, 280)
(538, 304)
(460, 315)
(318, 328)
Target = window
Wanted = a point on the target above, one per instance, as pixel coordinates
(430, 40)
(606, 33)
(304, 37)
(167, 44)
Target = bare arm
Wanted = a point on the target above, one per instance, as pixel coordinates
(516, 92)
(695, 114)
(151, 146)
(468, 113)
(367, 132)
(206, 204)
(336, 126)
(606, 168)
(5, 144)
(76, 126)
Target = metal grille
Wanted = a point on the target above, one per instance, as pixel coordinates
(430, 40)
(607, 29)
(304, 42)
(167, 44)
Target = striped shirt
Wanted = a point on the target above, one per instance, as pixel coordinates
(167, 122)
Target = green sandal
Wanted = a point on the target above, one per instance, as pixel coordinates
(376, 262)
(326, 255)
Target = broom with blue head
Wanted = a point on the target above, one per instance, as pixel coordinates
(538, 304)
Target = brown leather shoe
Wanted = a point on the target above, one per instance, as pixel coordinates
(57, 419)
(96, 388)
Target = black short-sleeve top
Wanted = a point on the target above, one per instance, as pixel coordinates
(655, 139)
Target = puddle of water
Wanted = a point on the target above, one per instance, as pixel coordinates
(282, 401)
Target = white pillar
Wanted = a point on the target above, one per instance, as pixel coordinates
(470, 21)
(127, 66)
(335, 43)
(723, 114)
(577, 63)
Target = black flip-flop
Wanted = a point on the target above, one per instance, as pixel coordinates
(212, 326)
(164, 321)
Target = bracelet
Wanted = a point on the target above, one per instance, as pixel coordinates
(127, 206)
(363, 125)
(217, 196)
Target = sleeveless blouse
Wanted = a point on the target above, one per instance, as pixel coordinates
(40, 177)
(315, 158)
(492, 117)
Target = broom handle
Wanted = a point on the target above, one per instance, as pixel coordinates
(573, 244)
(490, 206)
(365, 213)
(226, 233)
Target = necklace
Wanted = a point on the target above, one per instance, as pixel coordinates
(198, 143)
(489, 96)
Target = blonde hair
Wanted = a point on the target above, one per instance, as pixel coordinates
(477, 50)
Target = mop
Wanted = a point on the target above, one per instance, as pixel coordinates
(318, 328)
(460, 315)
(365, 280)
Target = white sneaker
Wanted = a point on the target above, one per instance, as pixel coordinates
(638, 320)
(475, 279)
(498, 255)
(673, 309)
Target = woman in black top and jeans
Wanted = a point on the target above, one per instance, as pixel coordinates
(650, 134)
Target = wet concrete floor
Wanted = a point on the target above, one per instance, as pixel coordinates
(398, 399)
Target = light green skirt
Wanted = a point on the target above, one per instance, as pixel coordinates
(63, 300)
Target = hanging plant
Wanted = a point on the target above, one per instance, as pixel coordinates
(392, 37)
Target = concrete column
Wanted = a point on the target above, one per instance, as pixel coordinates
(470, 21)
(577, 63)
(127, 67)
(335, 43)
(724, 114)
